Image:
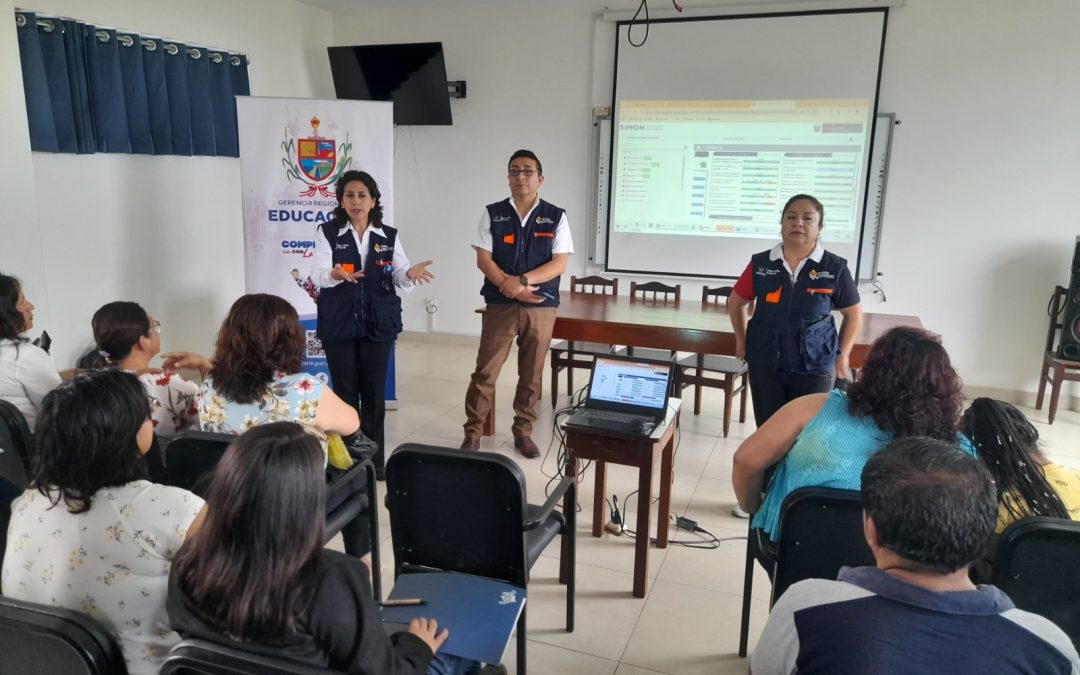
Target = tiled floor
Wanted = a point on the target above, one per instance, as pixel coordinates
(689, 621)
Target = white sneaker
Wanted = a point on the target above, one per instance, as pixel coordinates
(739, 513)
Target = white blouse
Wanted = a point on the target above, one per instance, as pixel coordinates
(27, 373)
(111, 562)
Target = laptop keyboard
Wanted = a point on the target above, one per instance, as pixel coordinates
(612, 415)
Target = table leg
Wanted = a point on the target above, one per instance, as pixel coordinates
(600, 491)
(641, 552)
(664, 514)
(571, 470)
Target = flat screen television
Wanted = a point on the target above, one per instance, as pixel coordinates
(412, 75)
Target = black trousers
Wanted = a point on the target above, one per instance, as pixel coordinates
(770, 389)
(358, 374)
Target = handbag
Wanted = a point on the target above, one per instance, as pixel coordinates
(360, 447)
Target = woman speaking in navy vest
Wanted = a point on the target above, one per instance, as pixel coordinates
(791, 345)
(358, 263)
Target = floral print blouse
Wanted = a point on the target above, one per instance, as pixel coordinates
(288, 398)
(172, 402)
(111, 562)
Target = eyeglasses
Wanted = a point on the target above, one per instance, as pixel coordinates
(528, 173)
(155, 326)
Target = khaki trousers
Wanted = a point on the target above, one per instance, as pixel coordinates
(502, 323)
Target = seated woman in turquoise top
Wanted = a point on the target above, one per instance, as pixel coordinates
(907, 387)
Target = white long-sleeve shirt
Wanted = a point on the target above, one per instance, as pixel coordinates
(27, 373)
(324, 258)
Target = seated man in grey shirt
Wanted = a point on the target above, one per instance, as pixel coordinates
(928, 510)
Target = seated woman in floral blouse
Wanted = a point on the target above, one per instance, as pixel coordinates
(254, 377)
(90, 534)
(128, 338)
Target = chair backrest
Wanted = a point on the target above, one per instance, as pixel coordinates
(43, 639)
(821, 531)
(655, 291)
(202, 657)
(1036, 566)
(717, 296)
(595, 284)
(457, 511)
(192, 456)
(14, 452)
(1057, 319)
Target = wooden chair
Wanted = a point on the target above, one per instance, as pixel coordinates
(570, 354)
(1055, 369)
(728, 373)
(657, 293)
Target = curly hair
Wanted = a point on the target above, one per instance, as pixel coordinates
(375, 216)
(261, 336)
(11, 321)
(1007, 444)
(908, 386)
(87, 437)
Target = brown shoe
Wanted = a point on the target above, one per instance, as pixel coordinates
(470, 444)
(526, 447)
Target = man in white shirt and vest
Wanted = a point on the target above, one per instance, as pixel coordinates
(522, 246)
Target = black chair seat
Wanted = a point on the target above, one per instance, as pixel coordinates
(538, 538)
(45, 639)
(202, 657)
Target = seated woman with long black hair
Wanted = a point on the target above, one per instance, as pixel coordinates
(27, 372)
(91, 534)
(256, 574)
(1027, 482)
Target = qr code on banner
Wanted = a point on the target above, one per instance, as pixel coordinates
(313, 346)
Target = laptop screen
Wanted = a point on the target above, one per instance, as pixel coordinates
(636, 383)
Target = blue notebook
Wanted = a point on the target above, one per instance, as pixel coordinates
(480, 613)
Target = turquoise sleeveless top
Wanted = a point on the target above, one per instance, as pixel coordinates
(830, 452)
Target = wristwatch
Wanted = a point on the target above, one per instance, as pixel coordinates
(523, 280)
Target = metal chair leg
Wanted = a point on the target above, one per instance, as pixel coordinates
(521, 641)
(748, 584)
(373, 519)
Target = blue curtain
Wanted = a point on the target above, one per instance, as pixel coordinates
(91, 89)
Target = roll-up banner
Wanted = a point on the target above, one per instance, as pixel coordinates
(292, 151)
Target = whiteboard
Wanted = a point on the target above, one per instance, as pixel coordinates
(880, 151)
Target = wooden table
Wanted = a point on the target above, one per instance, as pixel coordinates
(687, 326)
(603, 449)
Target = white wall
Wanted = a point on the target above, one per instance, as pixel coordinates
(163, 231)
(526, 65)
(978, 222)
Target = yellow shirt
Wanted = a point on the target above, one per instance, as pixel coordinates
(1065, 481)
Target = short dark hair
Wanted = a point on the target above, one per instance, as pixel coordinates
(117, 328)
(526, 154)
(931, 503)
(11, 321)
(248, 566)
(261, 335)
(908, 385)
(1007, 444)
(87, 437)
(375, 216)
(818, 206)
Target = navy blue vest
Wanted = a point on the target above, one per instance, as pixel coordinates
(792, 329)
(516, 249)
(369, 308)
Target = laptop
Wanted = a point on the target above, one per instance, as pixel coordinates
(628, 396)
